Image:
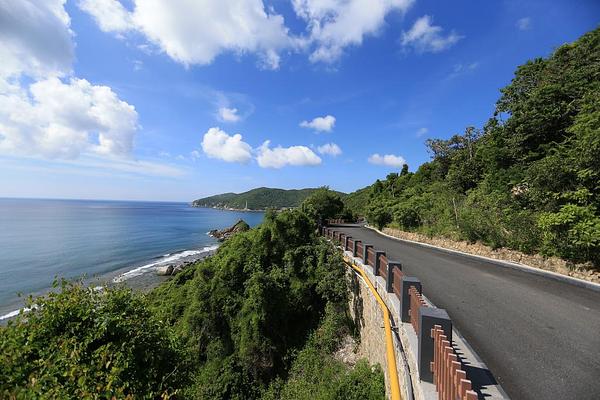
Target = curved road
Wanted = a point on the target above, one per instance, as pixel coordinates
(540, 337)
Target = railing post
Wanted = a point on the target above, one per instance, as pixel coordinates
(366, 248)
(377, 266)
(355, 247)
(390, 275)
(346, 242)
(405, 285)
(428, 317)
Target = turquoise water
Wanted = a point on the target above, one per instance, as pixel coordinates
(110, 240)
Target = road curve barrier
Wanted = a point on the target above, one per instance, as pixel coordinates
(438, 362)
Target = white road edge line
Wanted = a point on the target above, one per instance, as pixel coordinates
(508, 264)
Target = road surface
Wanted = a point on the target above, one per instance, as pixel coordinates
(540, 337)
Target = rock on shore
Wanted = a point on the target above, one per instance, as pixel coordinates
(221, 235)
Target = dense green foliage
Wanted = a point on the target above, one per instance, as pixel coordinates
(85, 343)
(324, 204)
(528, 180)
(261, 318)
(257, 199)
(315, 374)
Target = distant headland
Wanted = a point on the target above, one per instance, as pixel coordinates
(259, 199)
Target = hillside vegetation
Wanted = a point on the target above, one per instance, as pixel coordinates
(528, 180)
(257, 199)
(262, 318)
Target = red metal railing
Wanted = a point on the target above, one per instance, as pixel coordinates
(383, 268)
(371, 257)
(416, 302)
(450, 379)
(397, 282)
(350, 244)
(359, 250)
(383, 263)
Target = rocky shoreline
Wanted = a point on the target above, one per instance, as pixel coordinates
(179, 265)
(175, 267)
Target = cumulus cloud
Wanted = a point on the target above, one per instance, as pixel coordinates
(42, 111)
(336, 24)
(55, 119)
(197, 32)
(425, 37)
(331, 149)
(35, 39)
(320, 124)
(524, 23)
(279, 157)
(389, 160)
(110, 15)
(227, 114)
(245, 26)
(218, 144)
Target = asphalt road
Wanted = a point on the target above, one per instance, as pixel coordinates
(539, 337)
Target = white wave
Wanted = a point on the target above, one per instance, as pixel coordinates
(14, 313)
(164, 260)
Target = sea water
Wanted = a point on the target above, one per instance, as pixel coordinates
(109, 241)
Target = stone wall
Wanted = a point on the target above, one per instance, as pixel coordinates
(368, 317)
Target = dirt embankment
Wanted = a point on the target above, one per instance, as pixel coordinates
(553, 264)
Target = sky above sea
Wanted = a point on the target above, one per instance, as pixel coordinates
(175, 100)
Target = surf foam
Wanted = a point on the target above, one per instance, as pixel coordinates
(166, 259)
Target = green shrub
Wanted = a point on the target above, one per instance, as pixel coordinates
(85, 343)
(573, 232)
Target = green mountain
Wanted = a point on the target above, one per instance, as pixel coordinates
(257, 199)
(529, 179)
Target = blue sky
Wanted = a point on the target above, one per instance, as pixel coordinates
(146, 100)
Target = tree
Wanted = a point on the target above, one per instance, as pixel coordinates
(379, 215)
(404, 170)
(323, 204)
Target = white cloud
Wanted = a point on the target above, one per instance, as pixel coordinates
(195, 154)
(524, 23)
(110, 15)
(279, 157)
(35, 39)
(54, 116)
(336, 24)
(389, 160)
(320, 124)
(331, 149)
(197, 32)
(425, 37)
(218, 144)
(229, 114)
(422, 131)
(55, 119)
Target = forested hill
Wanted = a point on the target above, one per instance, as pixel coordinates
(529, 179)
(257, 199)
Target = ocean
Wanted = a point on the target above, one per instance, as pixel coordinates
(104, 241)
